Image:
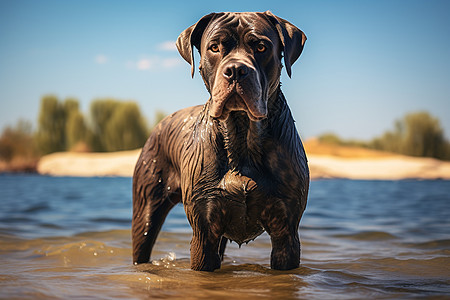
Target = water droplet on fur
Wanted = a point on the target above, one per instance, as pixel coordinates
(168, 188)
(154, 160)
(145, 233)
(160, 180)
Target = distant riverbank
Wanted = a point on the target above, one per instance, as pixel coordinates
(89, 164)
(325, 161)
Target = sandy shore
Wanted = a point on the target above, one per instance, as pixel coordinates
(387, 168)
(89, 164)
(324, 163)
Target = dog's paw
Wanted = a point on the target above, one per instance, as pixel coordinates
(207, 263)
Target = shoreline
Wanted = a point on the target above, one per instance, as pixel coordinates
(322, 166)
(325, 161)
(89, 164)
(21, 166)
(383, 168)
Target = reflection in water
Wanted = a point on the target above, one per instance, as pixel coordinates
(70, 237)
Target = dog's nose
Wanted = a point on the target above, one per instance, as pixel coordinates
(235, 71)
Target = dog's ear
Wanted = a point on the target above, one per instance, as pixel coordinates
(292, 38)
(191, 38)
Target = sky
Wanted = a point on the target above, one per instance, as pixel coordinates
(365, 63)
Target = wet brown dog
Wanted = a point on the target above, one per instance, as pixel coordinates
(237, 163)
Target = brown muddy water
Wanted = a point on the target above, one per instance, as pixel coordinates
(70, 238)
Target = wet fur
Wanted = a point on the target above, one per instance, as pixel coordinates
(235, 176)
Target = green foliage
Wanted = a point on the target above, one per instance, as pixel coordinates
(424, 136)
(113, 125)
(71, 106)
(17, 142)
(126, 129)
(61, 125)
(330, 138)
(117, 126)
(101, 112)
(76, 130)
(416, 134)
(51, 128)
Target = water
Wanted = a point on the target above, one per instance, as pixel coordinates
(70, 237)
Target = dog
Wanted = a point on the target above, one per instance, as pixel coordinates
(236, 163)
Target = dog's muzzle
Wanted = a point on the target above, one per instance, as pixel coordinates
(238, 88)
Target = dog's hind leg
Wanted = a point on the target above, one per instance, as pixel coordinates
(155, 193)
(148, 218)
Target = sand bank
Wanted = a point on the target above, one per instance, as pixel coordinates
(383, 168)
(376, 166)
(89, 164)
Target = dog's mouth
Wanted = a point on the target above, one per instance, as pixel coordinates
(235, 98)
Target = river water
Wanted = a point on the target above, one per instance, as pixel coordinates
(63, 237)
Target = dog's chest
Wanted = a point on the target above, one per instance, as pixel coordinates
(238, 186)
(243, 203)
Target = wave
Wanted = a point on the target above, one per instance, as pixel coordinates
(111, 220)
(368, 236)
(434, 244)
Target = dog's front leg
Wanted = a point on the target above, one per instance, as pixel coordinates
(282, 226)
(285, 251)
(207, 230)
(204, 251)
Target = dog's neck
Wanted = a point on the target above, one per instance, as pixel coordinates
(242, 139)
(246, 141)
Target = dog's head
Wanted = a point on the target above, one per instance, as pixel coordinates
(241, 58)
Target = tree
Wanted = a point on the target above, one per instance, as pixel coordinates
(113, 126)
(423, 136)
(71, 106)
(17, 142)
(101, 112)
(61, 125)
(417, 134)
(126, 129)
(330, 138)
(76, 130)
(116, 125)
(50, 136)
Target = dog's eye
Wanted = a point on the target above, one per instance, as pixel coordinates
(261, 48)
(214, 48)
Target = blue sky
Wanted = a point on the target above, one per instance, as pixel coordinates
(365, 64)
